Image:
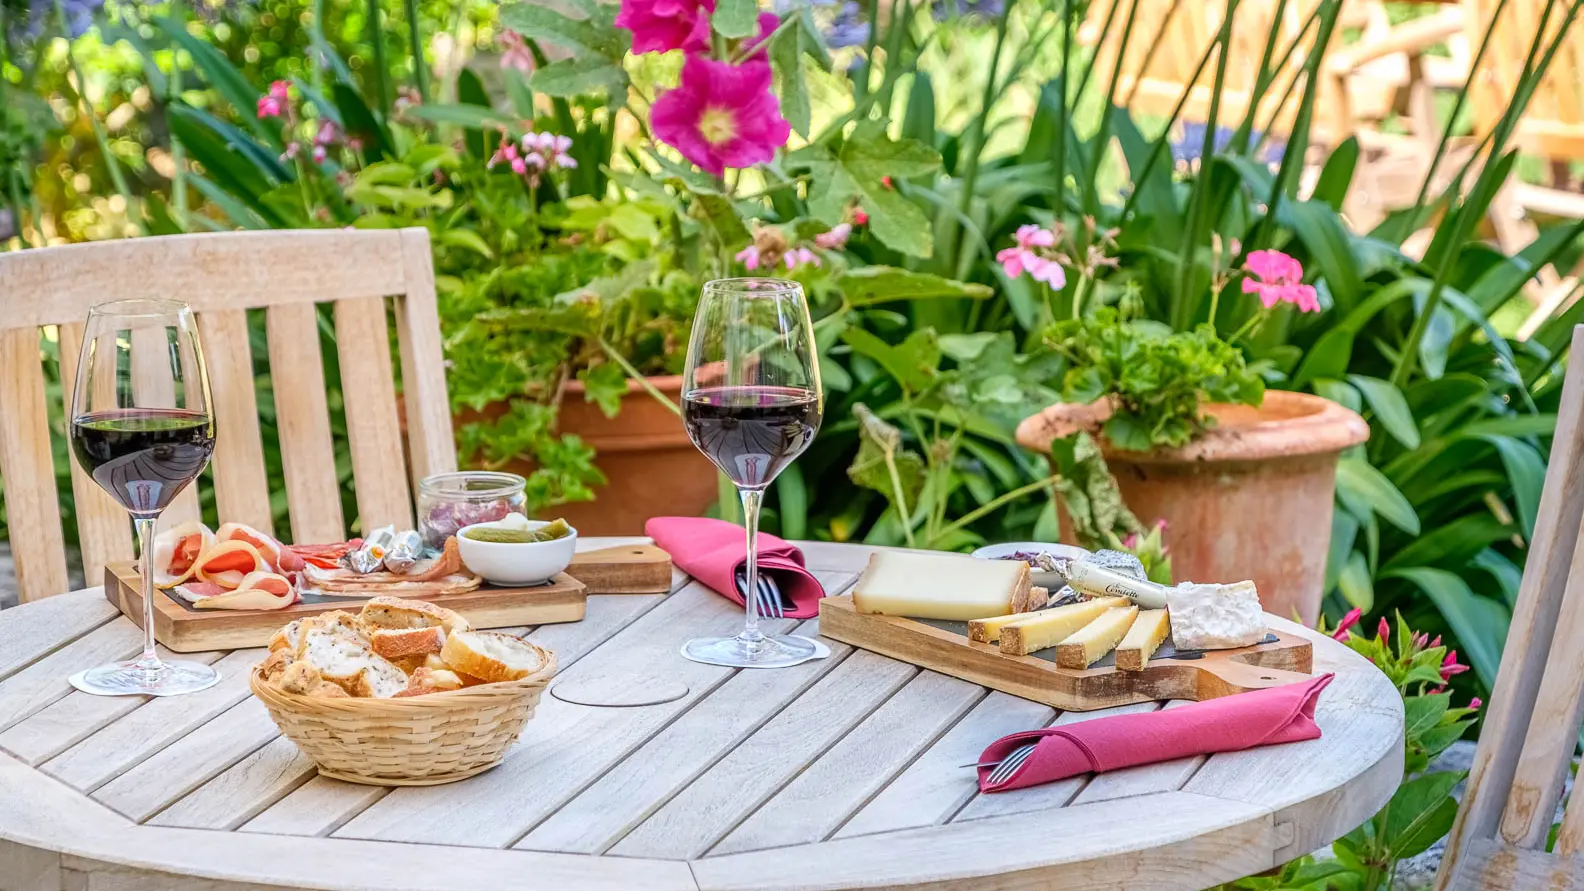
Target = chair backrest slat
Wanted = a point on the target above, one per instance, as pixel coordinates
(1532, 636)
(222, 276)
(302, 417)
(27, 468)
(368, 391)
(103, 529)
(242, 493)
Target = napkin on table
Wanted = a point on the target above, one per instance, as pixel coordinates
(712, 551)
(1228, 724)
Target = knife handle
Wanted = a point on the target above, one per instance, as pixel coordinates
(1098, 582)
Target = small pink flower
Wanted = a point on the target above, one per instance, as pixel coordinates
(515, 52)
(859, 217)
(1383, 630)
(519, 166)
(1475, 703)
(836, 238)
(1030, 236)
(660, 26)
(1450, 666)
(749, 257)
(721, 115)
(1013, 260)
(293, 148)
(326, 133)
(1348, 621)
(273, 104)
(800, 256)
(1048, 271)
(319, 154)
(1420, 641)
(1435, 641)
(1278, 278)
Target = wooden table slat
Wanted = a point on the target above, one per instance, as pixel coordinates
(242, 790)
(318, 807)
(46, 680)
(30, 634)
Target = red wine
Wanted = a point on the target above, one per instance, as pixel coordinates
(751, 433)
(143, 457)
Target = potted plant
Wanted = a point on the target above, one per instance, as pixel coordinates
(1243, 478)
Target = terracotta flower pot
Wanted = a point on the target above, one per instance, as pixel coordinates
(650, 465)
(1249, 499)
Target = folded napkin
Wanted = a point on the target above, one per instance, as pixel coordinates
(712, 551)
(1228, 724)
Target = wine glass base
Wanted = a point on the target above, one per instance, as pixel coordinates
(770, 651)
(133, 679)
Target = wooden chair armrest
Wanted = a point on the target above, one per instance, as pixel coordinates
(1413, 37)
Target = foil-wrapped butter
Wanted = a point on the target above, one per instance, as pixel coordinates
(405, 549)
(370, 556)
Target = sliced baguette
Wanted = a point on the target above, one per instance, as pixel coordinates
(379, 679)
(396, 613)
(1143, 639)
(492, 657)
(286, 638)
(425, 681)
(400, 643)
(275, 665)
(1096, 639)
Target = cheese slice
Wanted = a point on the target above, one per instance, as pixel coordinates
(1049, 627)
(1096, 638)
(1143, 639)
(943, 586)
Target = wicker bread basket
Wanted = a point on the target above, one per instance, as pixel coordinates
(413, 741)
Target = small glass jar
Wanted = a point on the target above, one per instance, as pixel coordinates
(449, 501)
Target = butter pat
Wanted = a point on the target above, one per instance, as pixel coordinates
(1143, 639)
(944, 586)
(1021, 635)
(1096, 638)
(1215, 617)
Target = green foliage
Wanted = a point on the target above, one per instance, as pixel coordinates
(1155, 382)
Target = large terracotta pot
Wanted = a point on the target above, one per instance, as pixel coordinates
(1249, 499)
(651, 467)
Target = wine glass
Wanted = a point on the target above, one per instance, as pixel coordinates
(751, 402)
(141, 427)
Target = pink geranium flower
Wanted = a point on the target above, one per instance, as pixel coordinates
(1024, 257)
(1278, 278)
(749, 257)
(721, 115)
(515, 52)
(835, 238)
(273, 104)
(660, 26)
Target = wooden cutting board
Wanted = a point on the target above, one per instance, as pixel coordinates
(182, 628)
(945, 647)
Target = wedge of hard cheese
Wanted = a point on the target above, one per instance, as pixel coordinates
(944, 586)
(1047, 628)
(1143, 639)
(1096, 638)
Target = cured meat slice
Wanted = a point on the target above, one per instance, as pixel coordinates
(324, 556)
(194, 591)
(229, 562)
(261, 590)
(278, 556)
(176, 552)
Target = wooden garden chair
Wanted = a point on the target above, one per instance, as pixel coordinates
(45, 295)
(1499, 840)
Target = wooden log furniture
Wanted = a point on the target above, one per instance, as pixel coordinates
(46, 296)
(842, 773)
(1500, 839)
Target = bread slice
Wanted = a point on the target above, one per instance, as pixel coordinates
(300, 678)
(491, 656)
(286, 638)
(275, 664)
(425, 681)
(395, 613)
(401, 643)
(379, 679)
(334, 645)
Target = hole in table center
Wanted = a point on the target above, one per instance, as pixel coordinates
(620, 691)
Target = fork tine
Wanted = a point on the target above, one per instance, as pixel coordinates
(771, 598)
(1008, 767)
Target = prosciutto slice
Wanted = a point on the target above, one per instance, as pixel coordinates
(176, 552)
(258, 591)
(277, 555)
(229, 562)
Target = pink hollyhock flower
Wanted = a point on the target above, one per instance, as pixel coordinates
(836, 238)
(749, 257)
(1475, 703)
(660, 26)
(515, 52)
(1278, 278)
(1348, 621)
(1450, 666)
(721, 115)
(273, 104)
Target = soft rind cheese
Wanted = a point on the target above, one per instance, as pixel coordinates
(943, 586)
(1215, 617)
(1047, 628)
(1096, 638)
(1149, 631)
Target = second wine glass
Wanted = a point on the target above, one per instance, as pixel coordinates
(752, 403)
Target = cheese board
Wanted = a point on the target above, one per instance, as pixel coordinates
(183, 628)
(944, 646)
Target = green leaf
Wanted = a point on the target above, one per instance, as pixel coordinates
(721, 215)
(1358, 479)
(1420, 814)
(1420, 713)
(466, 239)
(1355, 583)
(224, 77)
(604, 385)
(472, 117)
(734, 19)
(1526, 469)
(360, 123)
(859, 173)
(792, 502)
(1337, 174)
(582, 36)
(791, 88)
(1329, 245)
(570, 78)
(1509, 578)
(912, 363)
(869, 285)
(966, 347)
(883, 464)
(1453, 544)
(1480, 623)
(1390, 408)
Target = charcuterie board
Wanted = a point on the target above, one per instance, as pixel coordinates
(944, 647)
(183, 628)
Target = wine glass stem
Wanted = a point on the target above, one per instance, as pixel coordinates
(150, 660)
(750, 507)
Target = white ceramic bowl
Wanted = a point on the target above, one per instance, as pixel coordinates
(516, 564)
(1044, 579)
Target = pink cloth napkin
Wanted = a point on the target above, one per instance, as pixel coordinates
(713, 550)
(1228, 724)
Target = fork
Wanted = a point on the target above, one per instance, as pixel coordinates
(1006, 767)
(768, 603)
(787, 604)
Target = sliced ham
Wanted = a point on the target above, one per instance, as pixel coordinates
(194, 591)
(176, 552)
(277, 555)
(261, 590)
(229, 562)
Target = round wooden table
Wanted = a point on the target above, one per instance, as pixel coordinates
(836, 774)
